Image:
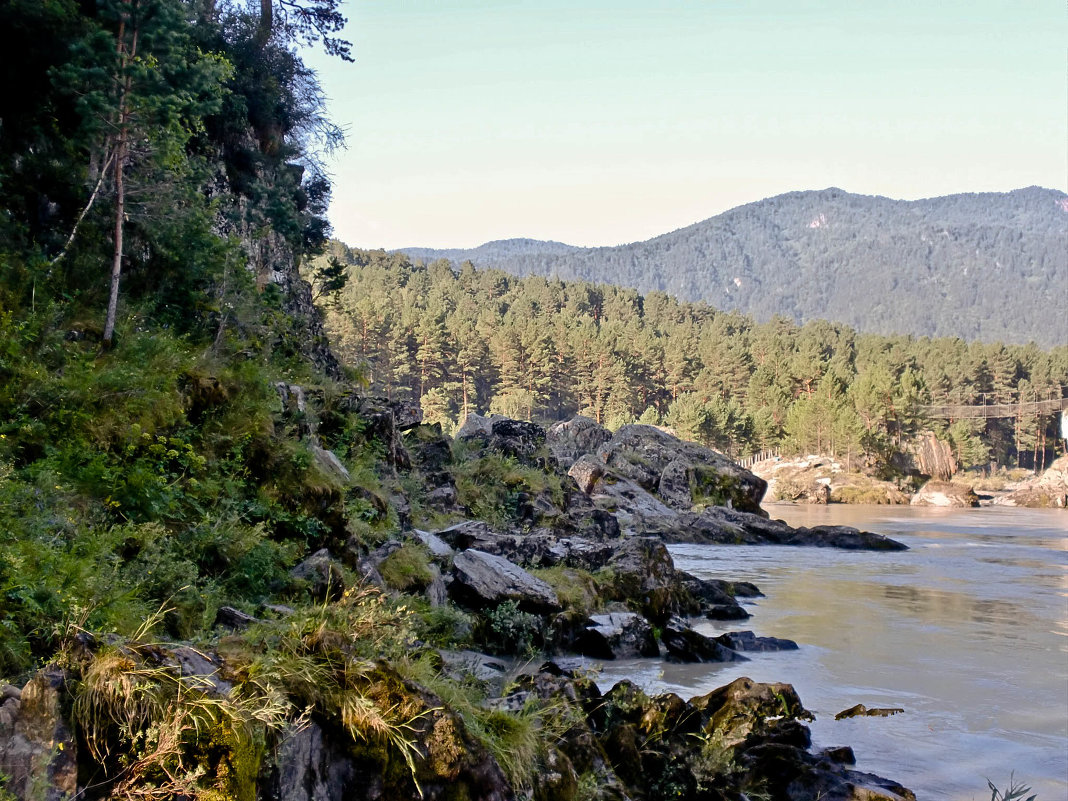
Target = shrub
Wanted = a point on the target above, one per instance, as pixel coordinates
(509, 630)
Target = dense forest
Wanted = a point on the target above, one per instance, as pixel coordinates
(545, 349)
(991, 267)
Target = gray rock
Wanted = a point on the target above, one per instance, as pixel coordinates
(312, 766)
(694, 473)
(944, 493)
(715, 599)
(439, 549)
(467, 534)
(475, 425)
(586, 471)
(686, 645)
(632, 505)
(747, 641)
(191, 662)
(329, 463)
(321, 574)
(571, 439)
(234, 619)
(619, 635)
(482, 579)
(38, 753)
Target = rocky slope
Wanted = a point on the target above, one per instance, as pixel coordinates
(402, 667)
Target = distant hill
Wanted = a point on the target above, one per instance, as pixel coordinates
(493, 251)
(991, 266)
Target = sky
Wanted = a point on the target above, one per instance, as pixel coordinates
(601, 123)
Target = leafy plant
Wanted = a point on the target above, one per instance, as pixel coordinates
(1013, 792)
(510, 630)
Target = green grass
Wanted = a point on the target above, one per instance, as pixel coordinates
(407, 568)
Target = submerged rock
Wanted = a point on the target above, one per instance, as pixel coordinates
(731, 527)
(860, 710)
(747, 641)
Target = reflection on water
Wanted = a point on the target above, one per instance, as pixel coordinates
(966, 631)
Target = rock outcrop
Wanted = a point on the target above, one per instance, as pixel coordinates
(821, 479)
(571, 439)
(683, 474)
(934, 457)
(944, 493)
(1050, 490)
(38, 753)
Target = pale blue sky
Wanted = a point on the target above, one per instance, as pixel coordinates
(598, 123)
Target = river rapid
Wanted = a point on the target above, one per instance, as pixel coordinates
(967, 631)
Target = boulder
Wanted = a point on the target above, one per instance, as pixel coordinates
(1050, 490)
(439, 549)
(234, 619)
(586, 471)
(329, 463)
(571, 439)
(383, 421)
(747, 641)
(631, 505)
(690, 473)
(745, 710)
(520, 439)
(321, 575)
(821, 479)
(642, 573)
(686, 645)
(619, 635)
(38, 752)
(482, 580)
(944, 493)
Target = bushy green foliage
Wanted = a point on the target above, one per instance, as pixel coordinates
(509, 630)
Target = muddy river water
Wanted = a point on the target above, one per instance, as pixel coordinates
(967, 631)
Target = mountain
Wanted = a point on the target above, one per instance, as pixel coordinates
(494, 251)
(990, 266)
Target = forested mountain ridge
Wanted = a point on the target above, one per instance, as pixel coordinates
(542, 349)
(988, 266)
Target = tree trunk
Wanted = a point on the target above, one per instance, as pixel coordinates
(126, 56)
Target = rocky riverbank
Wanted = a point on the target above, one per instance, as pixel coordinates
(400, 679)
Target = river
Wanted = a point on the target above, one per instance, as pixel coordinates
(967, 631)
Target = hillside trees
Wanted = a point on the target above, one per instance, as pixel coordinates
(545, 350)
